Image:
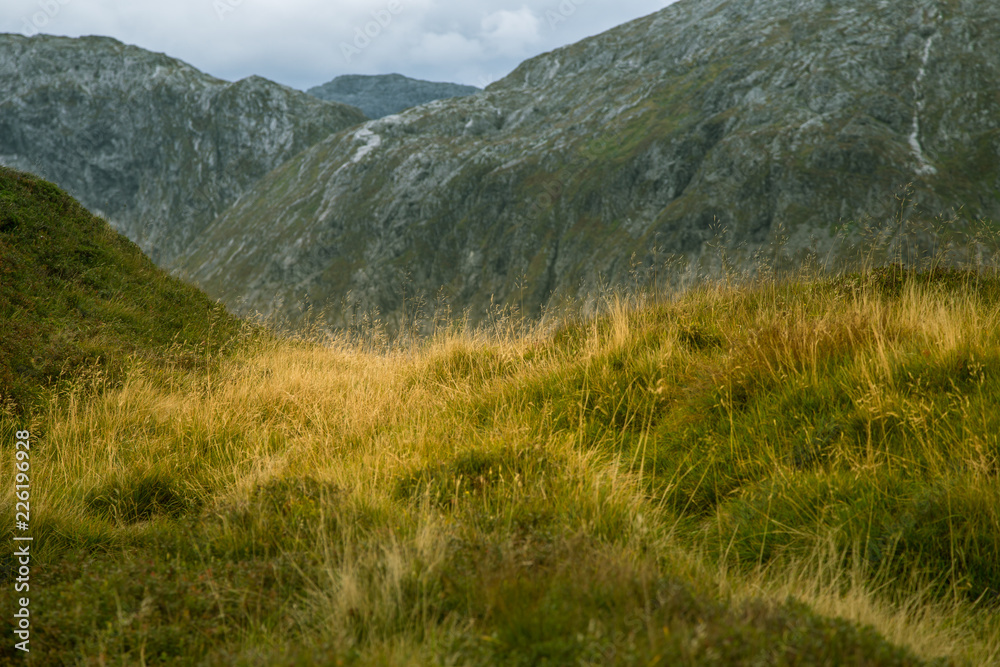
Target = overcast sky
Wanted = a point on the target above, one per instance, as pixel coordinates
(302, 43)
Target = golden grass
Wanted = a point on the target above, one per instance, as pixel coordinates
(491, 447)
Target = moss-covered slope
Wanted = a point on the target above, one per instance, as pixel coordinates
(75, 293)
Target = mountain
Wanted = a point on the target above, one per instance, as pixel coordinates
(771, 119)
(75, 294)
(384, 95)
(151, 142)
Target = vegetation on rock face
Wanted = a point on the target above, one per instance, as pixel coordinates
(772, 473)
(77, 297)
(767, 119)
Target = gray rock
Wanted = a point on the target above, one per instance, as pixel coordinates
(384, 95)
(768, 119)
(157, 146)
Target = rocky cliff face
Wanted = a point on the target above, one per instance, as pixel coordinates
(384, 95)
(763, 117)
(154, 144)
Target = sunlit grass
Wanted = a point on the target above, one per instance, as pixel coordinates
(715, 477)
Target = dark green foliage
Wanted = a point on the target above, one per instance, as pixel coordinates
(953, 533)
(890, 280)
(948, 534)
(75, 294)
(284, 496)
(292, 503)
(473, 471)
(551, 604)
(754, 435)
(169, 611)
(139, 498)
(700, 337)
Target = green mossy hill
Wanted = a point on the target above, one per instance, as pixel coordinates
(76, 294)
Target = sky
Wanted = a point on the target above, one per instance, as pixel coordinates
(303, 43)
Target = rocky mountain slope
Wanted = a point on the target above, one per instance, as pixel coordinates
(384, 95)
(154, 144)
(766, 118)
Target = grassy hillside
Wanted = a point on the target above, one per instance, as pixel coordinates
(802, 473)
(75, 295)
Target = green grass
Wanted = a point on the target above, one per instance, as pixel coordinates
(75, 295)
(800, 472)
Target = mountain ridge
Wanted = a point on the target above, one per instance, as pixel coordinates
(383, 95)
(774, 120)
(148, 140)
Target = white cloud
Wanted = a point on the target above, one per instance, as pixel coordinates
(449, 47)
(511, 33)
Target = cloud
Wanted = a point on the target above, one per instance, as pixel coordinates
(449, 47)
(511, 33)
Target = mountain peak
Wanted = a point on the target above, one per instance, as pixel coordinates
(775, 121)
(150, 141)
(386, 94)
